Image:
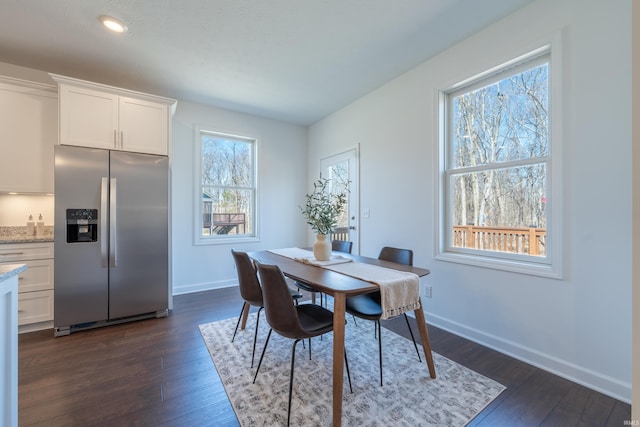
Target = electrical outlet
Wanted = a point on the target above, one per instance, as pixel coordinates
(426, 291)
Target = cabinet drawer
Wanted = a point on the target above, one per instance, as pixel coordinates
(35, 307)
(25, 251)
(37, 277)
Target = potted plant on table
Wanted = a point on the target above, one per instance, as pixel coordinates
(322, 210)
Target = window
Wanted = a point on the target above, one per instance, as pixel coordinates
(496, 168)
(226, 194)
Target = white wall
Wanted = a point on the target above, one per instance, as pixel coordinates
(635, 403)
(580, 326)
(282, 155)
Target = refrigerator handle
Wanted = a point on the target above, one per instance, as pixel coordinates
(103, 221)
(113, 223)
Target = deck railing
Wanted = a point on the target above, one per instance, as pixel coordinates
(340, 233)
(525, 240)
(224, 223)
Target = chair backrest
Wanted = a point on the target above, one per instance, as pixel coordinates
(279, 309)
(250, 289)
(401, 256)
(341, 246)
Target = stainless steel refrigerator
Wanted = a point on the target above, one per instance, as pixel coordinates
(110, 237)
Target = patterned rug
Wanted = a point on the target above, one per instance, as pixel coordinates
(409, 396)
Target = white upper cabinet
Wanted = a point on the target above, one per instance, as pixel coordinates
(143, 126)
(88, 118)
(28, 132)
(99, 116)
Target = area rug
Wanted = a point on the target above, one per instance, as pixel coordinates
(409, 396)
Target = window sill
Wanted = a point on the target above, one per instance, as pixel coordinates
(521, 266)
(201, 241)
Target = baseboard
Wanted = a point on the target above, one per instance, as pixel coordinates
(587, 377)
(206, 286)
(35, 327)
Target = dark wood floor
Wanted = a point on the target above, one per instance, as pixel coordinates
(158, 373)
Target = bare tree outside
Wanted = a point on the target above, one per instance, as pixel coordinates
(228, 189)
(339, 184)
(498, 163)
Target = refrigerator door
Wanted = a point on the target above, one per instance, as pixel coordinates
(81, 281)
(139, 255)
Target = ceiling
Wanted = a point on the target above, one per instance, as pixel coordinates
(291, 60)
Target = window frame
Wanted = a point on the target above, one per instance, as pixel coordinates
(551, 265)
(199, 239)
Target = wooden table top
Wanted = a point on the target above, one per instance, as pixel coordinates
(328, 281)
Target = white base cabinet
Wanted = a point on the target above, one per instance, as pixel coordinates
(35, 284)
(100, 116)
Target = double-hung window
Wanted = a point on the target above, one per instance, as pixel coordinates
(226, 194)
(496, 169)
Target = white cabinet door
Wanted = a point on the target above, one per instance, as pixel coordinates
(35, 289)
(88, 118)
(28, 132)
(143, 126)
(37, 277)
(34, 307)
(100, 116)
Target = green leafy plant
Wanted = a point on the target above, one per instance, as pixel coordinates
(323, 208)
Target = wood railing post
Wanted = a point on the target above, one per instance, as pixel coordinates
(533, 242)
(471, 238)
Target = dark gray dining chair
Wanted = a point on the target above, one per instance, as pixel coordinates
(251, 291)
(368, 306)
(297, 322)
(336, 246)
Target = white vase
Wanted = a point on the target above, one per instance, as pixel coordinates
(322, 248)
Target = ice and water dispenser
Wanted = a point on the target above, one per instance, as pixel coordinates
(82, 225)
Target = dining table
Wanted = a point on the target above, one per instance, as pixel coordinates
(340, 287)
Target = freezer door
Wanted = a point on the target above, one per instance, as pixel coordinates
(139, 255)
(81, 280)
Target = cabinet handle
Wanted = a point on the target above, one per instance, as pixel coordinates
(12, 253)
(122, 140)
(115, 138)
(20, 277)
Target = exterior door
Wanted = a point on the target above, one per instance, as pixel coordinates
(342, 170)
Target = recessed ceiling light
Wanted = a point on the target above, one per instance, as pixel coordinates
(113, 24)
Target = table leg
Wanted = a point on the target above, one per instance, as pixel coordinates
(338, 355)
(245, 315)
(424, 336)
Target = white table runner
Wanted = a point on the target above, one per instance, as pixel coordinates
(399, 290)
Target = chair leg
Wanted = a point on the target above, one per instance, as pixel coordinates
(380, 348)
(412, 337)
(255, 337)
(346, 362)
(238, 324)
(262, 356)
(293, 360)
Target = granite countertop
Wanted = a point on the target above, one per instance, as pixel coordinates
(19, 235)
(10, 270)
